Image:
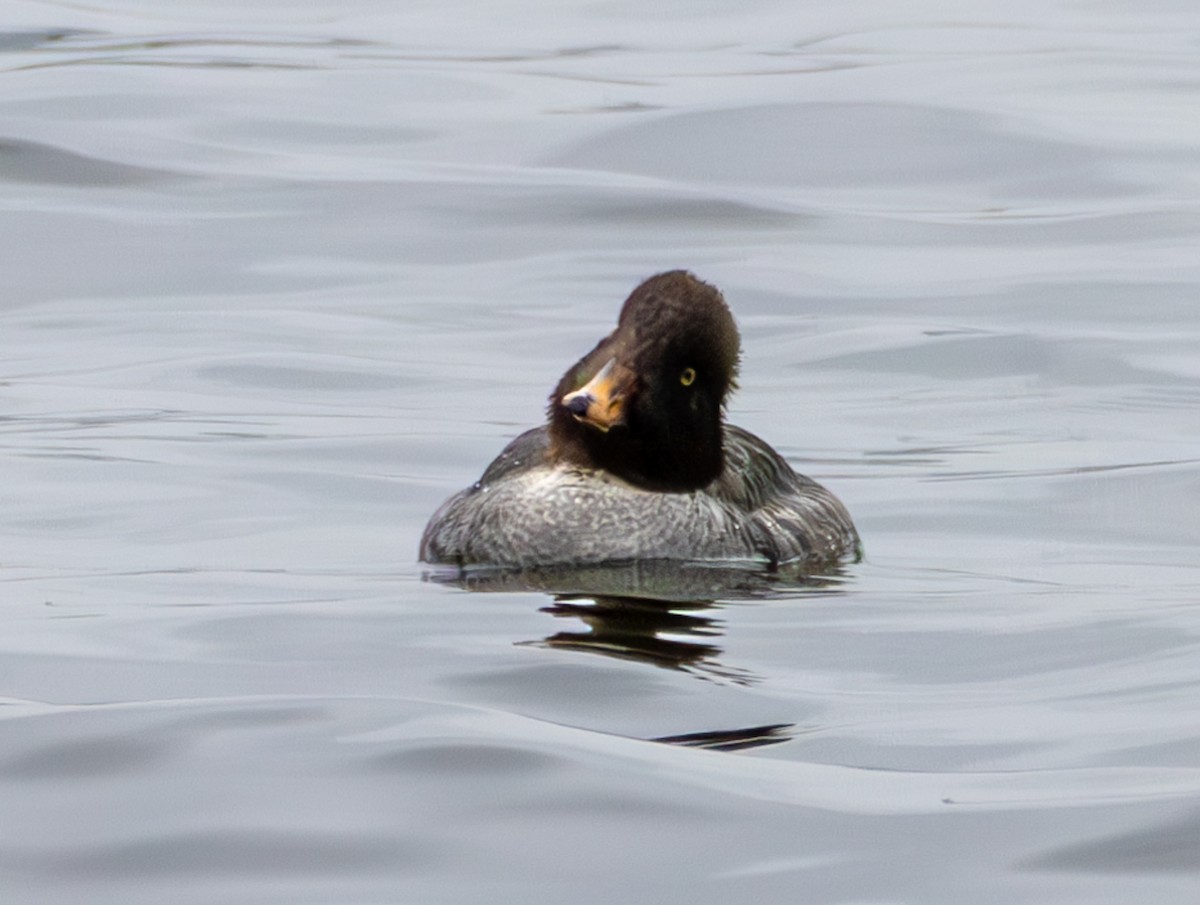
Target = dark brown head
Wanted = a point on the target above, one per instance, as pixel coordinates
(647, 403)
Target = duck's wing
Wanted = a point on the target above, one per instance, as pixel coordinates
(790, 515)
(529, 450)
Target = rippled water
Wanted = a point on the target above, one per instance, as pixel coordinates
(278, 281)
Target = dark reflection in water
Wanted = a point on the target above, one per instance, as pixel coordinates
(670, 634)
(660, 613)
(732, 739)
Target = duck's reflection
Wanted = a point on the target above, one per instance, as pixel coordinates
(660, 613)
(669, 634)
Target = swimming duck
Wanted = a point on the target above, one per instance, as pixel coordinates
(635, 461)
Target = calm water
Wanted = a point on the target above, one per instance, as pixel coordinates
(276, 283)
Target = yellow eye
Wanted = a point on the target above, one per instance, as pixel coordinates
(688, 377)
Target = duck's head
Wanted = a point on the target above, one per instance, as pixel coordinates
(647, 403)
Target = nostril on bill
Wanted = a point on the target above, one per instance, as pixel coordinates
(577, 403)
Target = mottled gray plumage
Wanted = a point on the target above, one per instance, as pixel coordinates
(525, 511)
(625, 468)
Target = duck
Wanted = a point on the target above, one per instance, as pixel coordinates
(637, 463)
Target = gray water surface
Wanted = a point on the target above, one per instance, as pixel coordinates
(277, 282)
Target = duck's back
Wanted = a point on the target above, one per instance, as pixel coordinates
(527, 511)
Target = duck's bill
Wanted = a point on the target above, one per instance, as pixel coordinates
(600, 402)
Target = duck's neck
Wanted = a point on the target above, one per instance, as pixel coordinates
(652, 460)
